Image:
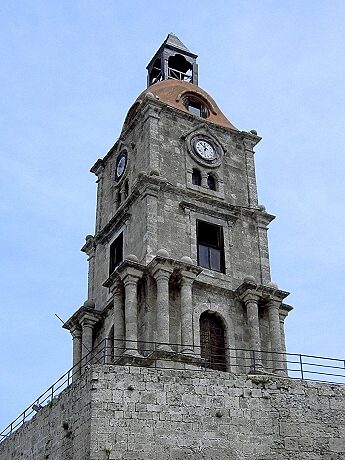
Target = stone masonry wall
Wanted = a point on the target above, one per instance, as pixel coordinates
(59, 431)
(140, 413)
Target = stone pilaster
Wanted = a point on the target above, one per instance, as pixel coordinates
(187, 337)
(275, 333)
(262, 221)
(249, 142)
(98, 170)
(162, 275)
(90, 249)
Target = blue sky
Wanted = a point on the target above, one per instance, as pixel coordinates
(69, 73)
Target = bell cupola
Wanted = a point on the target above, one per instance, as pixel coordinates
(172, 61)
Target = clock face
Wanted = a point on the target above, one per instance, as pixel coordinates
(121, 164)
(205, 150)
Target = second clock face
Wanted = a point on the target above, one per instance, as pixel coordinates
(121, 164)
(205, 150)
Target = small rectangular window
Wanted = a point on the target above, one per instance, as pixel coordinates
(116, 253)
(210, 246)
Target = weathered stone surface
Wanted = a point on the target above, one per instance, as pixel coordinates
(154, 414)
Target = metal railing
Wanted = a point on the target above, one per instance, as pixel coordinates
(191, 357)
(173, 74)
(178, 75)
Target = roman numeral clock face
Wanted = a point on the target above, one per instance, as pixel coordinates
(205, 150)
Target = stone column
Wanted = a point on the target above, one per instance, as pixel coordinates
(130, 281)
(87, 324)
(162, 276)
(119, 320)
(187, 338)
(76, 338)
(282, 316)
(276, 342)
(251, 301)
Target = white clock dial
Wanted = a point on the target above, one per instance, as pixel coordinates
(204, 149)
(121, 165)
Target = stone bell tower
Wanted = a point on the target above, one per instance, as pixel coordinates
(179, 259)
(178, 351)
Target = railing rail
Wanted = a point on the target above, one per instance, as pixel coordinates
(178, 75)
(181, 357)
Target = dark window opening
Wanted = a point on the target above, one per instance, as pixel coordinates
(196, 177)
(196, 108)
(212, 341)
(210, 246)
(116, 253)
(211, 182)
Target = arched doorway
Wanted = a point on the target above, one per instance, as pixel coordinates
(212, 341)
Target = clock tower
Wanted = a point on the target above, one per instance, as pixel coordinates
(178, 264)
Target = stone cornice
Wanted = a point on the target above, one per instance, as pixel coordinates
(80, 314)
(119, 272)
(198, 207)
(265, 293)
(285, 309)
(158, 262)
(171, 265)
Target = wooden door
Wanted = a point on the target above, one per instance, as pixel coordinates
(212, 341)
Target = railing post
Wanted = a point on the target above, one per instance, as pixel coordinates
(301, 366)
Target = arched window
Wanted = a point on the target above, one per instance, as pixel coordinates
(212, 341)
(179, 68)
(211, 182)
(196, 177)
(196, 107)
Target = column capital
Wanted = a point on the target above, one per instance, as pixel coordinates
(117, 287)
(75, 331)
(88, 320)
(274, 303)
(250, 296)
(130, 272)
(187, 277)
(161, 271)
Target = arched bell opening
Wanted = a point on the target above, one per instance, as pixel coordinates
(179, 68)
(156, 72)
(212, 340)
